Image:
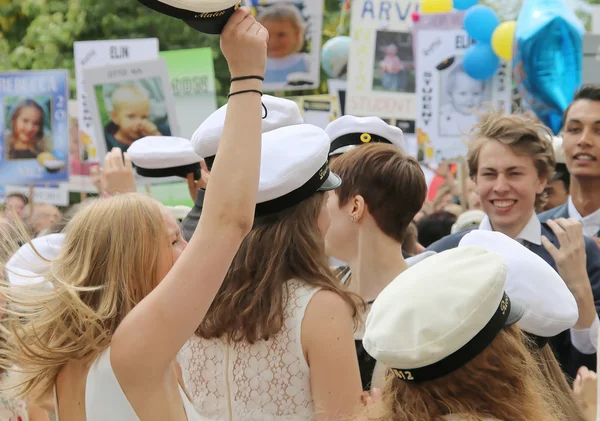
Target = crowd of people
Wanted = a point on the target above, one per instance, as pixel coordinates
(313, 279)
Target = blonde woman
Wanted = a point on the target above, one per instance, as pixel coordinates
(128, 293)
(446, 328)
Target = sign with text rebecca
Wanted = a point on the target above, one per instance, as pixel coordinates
(90, 54)
(34, 137)
(449, 101)
(57, 195)
(381, 74)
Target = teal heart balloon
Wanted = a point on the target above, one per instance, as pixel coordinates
(548, 58)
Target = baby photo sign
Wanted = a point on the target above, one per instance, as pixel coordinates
(381, 74)
(449, 102)
(92, 54)
(128, 102)
(34, 135)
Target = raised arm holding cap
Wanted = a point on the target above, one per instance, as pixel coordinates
(227, 218)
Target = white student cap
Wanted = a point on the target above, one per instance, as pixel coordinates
(280, 113)
(440, 314)
(179, 212)
(469, 219)
(549, 305)
(164, 156)
(294, 166)
(348, 132)
(26, 267)
(207, 16)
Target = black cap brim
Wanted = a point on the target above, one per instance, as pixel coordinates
(214, 25)
(208, 23)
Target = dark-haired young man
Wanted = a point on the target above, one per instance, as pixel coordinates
(581, 144)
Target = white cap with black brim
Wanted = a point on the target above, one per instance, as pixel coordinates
(207, 16)
(294, 166)
(164, 156)
(439, 314)
(348, 132)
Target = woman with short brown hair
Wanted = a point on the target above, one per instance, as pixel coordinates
(382, 191)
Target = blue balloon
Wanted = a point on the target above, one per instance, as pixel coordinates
(464, 4)
(548, 58)
(480, 23)
(480, 62)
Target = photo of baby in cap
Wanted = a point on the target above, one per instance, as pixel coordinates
(132, 110)
(287, 47)
(394, 68)
(461, 97)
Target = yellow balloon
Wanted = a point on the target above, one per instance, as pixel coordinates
(502, 39)
(436, 6)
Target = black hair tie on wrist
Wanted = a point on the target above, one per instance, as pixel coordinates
(248, 91)
(236, 79)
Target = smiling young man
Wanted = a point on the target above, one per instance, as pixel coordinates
(511, 160)
(581, 145)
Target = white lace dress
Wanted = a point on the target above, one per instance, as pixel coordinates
(266, 381)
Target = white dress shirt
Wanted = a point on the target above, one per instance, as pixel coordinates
(591, 223)
(584, 340)
(531, 233)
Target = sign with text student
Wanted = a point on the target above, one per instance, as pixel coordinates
(449, 102)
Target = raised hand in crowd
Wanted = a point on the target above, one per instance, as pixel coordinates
(117, 177)
(570, 260)
(585, 389)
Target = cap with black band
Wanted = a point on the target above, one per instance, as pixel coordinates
(465, 354)
(439, 314)
(207, 16)
(294, 166)
(164, 156)
(349, 131)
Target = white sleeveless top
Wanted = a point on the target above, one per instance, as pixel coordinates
(266, 381)
(105, 400)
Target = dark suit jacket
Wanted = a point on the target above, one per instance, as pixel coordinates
(561, 211)
(569, 357)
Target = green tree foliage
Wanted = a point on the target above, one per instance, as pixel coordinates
(39, 34)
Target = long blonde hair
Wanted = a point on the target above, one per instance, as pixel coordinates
(502, 383)
(108, 264)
